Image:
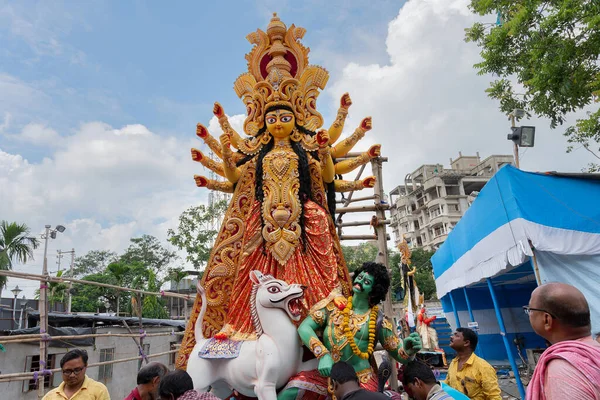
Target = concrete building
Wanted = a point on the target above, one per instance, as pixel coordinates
(434, 198)
(120, 378)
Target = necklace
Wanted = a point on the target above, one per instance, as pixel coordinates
(350, 336)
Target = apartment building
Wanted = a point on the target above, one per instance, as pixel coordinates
(434, 198)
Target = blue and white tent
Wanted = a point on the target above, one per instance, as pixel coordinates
(520, 220)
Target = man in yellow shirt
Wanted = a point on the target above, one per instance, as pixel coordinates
(76, 384)
(468, 373)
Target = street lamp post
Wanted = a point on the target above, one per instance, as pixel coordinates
(49, 234)
(15, 292)
(521, 136)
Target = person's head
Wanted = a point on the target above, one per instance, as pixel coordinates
(558, 311)
(74, 365)
(343, 379)
(149, 377)
(371, 279)
(597, 337)
(174, 384)
(418, 379)
(464, 340)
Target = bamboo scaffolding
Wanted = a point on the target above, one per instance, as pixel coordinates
(36, 277)
(36, 337)
(25, 376)
(374, 207)
(361, 223)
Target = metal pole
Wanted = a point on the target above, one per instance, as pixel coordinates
(71, 283)
(12, 323)
(43, 316)
(511, 359)
(479, 349)
(516, 146)
(454, 309)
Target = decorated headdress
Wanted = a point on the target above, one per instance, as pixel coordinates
(279, 74)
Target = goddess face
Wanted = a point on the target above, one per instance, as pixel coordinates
(363, 283)
(280, 123)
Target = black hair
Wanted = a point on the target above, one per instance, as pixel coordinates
(417, 369)
(342, 372)
(151, 371)
(470, 335)
(73, 355)
(175, 383)
(381, 281)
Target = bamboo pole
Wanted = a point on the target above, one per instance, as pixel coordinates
(362, 223)
(24, 376)
(370, 208)
(37, 277)
(361, 237)
(382, 239)
(19, 339)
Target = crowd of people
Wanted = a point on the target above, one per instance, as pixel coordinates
(569, 368)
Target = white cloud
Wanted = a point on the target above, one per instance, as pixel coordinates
(105, 185)
(428, 103)
(38, 135)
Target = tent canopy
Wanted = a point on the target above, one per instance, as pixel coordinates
(555, 214)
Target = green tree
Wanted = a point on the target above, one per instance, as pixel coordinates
(88, 298)
(195, 233)
(355, 256)
(57, 292)
(149, 252)
(16, 245)
(551, 49)
(93, 262)
(421, 259)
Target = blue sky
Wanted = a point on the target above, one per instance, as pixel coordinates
(122, 62)
(99, 101)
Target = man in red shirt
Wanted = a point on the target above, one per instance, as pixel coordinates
(148, 379)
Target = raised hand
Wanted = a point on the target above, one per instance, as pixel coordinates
(374, 151)
(201, 131)
(345, 101)
(412, 344)
(197, 155)
(201, 181)
(325, 364)
(322, 138)
(366, 124)
(218, 110)
(369, 182)
(225, 140)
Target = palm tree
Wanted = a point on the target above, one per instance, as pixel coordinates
(16, 245)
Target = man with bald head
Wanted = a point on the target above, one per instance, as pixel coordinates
(570, 367)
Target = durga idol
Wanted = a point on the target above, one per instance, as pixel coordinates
(282, 176)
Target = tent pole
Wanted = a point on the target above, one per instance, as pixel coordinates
(479, 349)
(511, 359)
(455, 310)
(536, 269)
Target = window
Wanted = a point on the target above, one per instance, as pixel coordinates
(105, 371)
(32, 364)
(146, 350)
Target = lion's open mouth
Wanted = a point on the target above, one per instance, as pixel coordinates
(295, 307)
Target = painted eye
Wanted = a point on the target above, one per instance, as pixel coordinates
(274, 289)
(286, 118)
(271, 120)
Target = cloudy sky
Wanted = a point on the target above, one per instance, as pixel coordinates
(99, 101)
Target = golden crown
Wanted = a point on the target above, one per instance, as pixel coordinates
(279, 74)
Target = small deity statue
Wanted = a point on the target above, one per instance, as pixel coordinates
(351, 328)
(283, 180)
(411, 293)
(428, 334)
